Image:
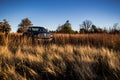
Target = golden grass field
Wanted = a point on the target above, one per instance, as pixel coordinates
(67, 57)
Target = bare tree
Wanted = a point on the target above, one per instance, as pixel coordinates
(86, 25)
(115, 26)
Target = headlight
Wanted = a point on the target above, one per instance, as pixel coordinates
(45, 34)
(51, 35)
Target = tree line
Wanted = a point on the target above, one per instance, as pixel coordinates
(86, 27)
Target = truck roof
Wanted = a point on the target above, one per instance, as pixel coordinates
(36, 27)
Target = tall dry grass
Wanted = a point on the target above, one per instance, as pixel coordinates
(66, 57)
(96, 40)
(55, 62)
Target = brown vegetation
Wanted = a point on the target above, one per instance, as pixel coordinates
(111, 41)
(97, 40)
(67, 57)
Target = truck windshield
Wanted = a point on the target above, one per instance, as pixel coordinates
(39, 29)
(35, 29)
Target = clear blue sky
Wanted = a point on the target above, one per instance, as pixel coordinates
(51, 13)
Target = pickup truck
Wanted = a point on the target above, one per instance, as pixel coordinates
(39, 33)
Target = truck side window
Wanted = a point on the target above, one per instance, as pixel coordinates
(29, 29)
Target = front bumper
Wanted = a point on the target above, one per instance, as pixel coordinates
(43, 37)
